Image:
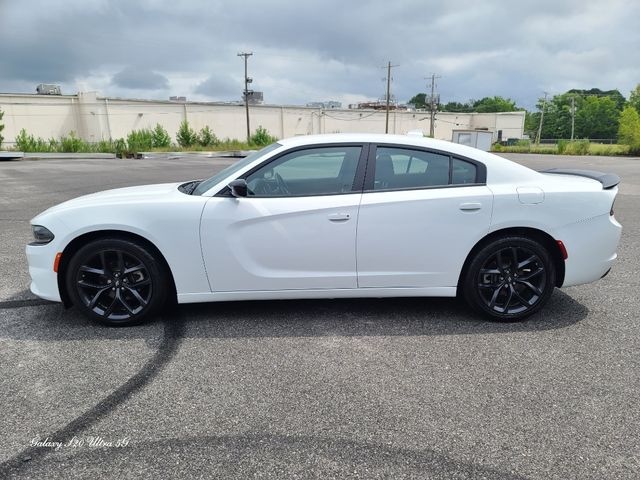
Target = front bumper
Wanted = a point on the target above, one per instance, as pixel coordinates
(44, 281)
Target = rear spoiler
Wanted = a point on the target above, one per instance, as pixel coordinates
(608, 180)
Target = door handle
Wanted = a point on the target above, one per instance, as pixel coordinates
(339, 217)
(470, 206)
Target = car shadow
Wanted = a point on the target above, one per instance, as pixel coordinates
(38, 320)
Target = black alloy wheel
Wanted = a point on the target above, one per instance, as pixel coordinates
(510, 279)
(116, 282)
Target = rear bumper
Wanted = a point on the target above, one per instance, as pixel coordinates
(591, 246)
(44, 281)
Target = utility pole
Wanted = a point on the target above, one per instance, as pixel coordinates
(544, 104)
(389, 66)
(573, 116)
(247, 81)
(432, 106)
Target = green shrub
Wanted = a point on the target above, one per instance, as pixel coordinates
(120, 146)
(186, 137)
(24, 142)
(262, 137)
(206, 138)
(562, 146)
(104, 146)
(140, 140)
(577, 147)
(523, 143)
(629, 129)
(1, 127)
(72, 144)
(160, 137)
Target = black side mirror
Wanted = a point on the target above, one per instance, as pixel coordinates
(238, 187)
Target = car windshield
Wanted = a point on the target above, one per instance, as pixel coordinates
(231, 169)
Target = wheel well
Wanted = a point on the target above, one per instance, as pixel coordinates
(78, 242)
(534, 234)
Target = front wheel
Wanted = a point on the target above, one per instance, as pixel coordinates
(116, 282)
(510, 278)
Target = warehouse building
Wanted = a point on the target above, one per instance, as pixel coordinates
(94, 118)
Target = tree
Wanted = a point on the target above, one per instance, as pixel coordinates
(160, 137)
(614, 95)
(458, 107)
(419, 100)
(629, 129)
(186, 137)
(1, 127)
(634, 98)
(494, 104)
(597, 117)
(557, 116)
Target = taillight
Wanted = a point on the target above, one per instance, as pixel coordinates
(611, 211)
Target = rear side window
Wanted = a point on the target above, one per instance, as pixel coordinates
(404, 168)
(463, 172)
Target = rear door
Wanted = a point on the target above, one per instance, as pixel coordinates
(421, 213)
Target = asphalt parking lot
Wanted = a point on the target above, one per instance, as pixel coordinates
(395, 388)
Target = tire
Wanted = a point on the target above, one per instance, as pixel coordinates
(493, 287)
(116, 282)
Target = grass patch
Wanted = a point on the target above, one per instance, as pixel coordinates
(565, 147)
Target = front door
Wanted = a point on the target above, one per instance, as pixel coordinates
(296, 229)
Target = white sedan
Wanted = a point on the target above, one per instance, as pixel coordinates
(332, 216)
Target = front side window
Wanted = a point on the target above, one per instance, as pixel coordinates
(398, 168)
(313, 171)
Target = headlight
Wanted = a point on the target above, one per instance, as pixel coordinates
(41, 235)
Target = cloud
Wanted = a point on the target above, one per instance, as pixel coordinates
(306, 51)
(221, 86)
(136, 79)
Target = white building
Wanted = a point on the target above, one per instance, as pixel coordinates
(95, 118)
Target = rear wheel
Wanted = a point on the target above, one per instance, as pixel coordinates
(116, 282)
(510, 278)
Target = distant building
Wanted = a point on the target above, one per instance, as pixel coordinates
(377, 105)
(255, 98)
(48, 89)
(326, 105)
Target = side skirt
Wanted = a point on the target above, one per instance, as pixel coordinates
(319, 293)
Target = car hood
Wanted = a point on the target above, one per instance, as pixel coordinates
(118, 196)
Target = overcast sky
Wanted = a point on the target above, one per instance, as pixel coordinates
(319, 50)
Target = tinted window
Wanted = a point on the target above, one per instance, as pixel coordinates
(463, 172)
(404, 168)
(314, 171)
